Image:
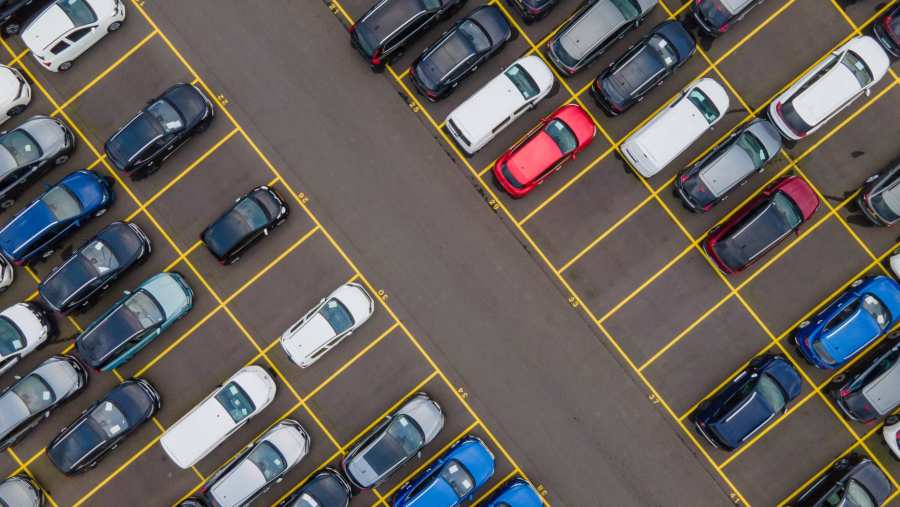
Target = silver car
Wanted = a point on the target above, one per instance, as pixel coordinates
(30, 150)
(396, 440)
(33, 397)
(262, 464)
(21, 491)
(592, 29)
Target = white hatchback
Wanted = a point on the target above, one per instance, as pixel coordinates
(499, 102)
(327, 324)
(220, 414)
(23, 328)
(65, 29)
(7, 275)
(15, 93)
(674, 129)
(847, 74)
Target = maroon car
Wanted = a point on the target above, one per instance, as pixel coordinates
(761, 224)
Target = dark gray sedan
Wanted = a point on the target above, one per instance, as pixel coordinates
(28, 152)
(327, 488)
(728, 165)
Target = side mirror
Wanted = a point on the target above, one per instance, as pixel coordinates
(265, 232)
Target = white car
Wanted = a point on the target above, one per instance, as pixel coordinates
(6, 274)
(674, 129)
(23, 328)
(847, 74)
(499, 102)
(65, 29)
(15, 93)
(220, 414)
(327, 324)
(891, 433)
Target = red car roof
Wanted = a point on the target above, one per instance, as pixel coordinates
(540, 151)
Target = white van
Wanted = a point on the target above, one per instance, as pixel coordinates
(666, 136)
(220, 414)
(499, 102)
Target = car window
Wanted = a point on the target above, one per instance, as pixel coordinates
(431, 4)
(145, 309)
(628, 8)
(753, 148)
(251, 213)
(857, 495)
(100, 257)
(23, 149)
(337, 315)
(235, 401)
(268, 460)
(665, 50)
(62, 203)
(704, 105)
(166, 115)
(11, 339)
(59, 47)
(78, 34)
(563, 136)
(476, 36)
(787, 209)
(842, 316)
(769, 390)
(404, 431)
(509, 176)
(858, 68)
(877, 310)
(78, 11)
(458, 478)
(822, 352)
(109, 418)
(34, 393)
(526, 85)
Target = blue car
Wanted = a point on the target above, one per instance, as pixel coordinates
(858, 317)
(36, 230)
(450, 479)
(516, 493)
(753, 399)
(134, 321)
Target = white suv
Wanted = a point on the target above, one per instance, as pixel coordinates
(67, 28)
(847, 74)
(675, 128)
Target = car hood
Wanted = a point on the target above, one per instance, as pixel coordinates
(742, 420)
(241, 482)
(193, 436)
(18, 235)
(533, 157)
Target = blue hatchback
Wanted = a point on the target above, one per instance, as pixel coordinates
(516, 493)
(450, 479)
(858, 317)
(65, 207)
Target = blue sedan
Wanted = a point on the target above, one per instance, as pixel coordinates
(134, 321)
(452, 478)
(65, 207)
(753, 399)
(858, 317)
(516, 493)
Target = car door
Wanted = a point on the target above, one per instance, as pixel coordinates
(80, 39)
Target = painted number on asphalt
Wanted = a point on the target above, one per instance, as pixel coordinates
(462, 392)
(735, 498)
(303, 198)
(653, 398)
(222, 99)
(573, 301)
(382, 294)
(493, 203)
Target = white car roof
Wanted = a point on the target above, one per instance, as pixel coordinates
(46, 28)
(26, 321)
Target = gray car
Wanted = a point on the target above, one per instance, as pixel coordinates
(30, 150)
(728, 165)
(592, 29)
(33, 397)
(396, 440)
(20, 491)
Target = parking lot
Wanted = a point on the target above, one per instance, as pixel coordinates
(239, 311)
(627, 254)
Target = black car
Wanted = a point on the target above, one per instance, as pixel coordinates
(382, 32)
(326, 488)
(103, 426)
(533, 10)
(852, 480)
(29, 151)
(643, 67)
(879, 198)
(459, 51)
(715, 17)
(887, 31)
(250, 219)
(869, 389)
(170, 120)
(81, 278)
(14, 14)
(748, 403)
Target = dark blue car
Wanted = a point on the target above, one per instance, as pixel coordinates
(858, 317)
(516, 493)
(748, 403)
(65, 207)
(451, 479)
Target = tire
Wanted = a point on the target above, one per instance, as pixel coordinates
(15, 111)
(856, 283)
(892, 420)
(12, 28)
(114, 27)
(64, 66)
(7, 203)
(62, 159)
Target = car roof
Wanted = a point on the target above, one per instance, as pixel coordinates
(595, 25)
(388, 16)
(883, 393)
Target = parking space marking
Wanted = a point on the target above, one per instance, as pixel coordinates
(24, 467)
(17, 58)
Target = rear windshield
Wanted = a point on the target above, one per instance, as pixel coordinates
(268, 460)
(504, 169)
(235, 401)
(753, 148)
(78, 11)
(144, 309)
(858, 68)
(100, 257)
(887, 203)
(790, 116)
(822, 352)
(475, 35)
(337, 315)
(769, 390)
(704, 105)
(526, 85)
(562, 136)
(34, 393)
(62, 204)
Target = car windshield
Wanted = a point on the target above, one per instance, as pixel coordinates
(337, 315)
(887, 202)
(145, 309)
(458, 478)
(34, 393)
(753, 148)
(78, 11)
(704, 105)
(21, 147)
(401, 440)
(788, 209)
(166, 115)
(476, 36)
(628, 8)
(235, 401)
(857, 495)
(62, 203)
(11, 338)
(793, 119)
(858, 68)
(562, 136)
(99, 256)
(769, 390)
(251, 213)
(877, 310)
(109, 419)
(665, 50)
(526, 85)
(268, 460)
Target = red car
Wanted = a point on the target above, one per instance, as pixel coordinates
(543, 150)
(761, 224)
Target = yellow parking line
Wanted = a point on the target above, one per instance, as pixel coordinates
(27, 471)
(18, 58)
(112, 475)
(487, 494)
